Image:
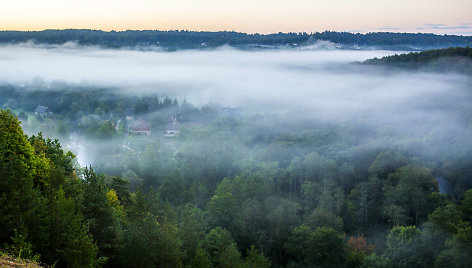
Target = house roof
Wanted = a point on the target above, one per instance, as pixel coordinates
(140, 125)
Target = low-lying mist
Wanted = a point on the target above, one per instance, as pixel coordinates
(289, 86)
(317, 80)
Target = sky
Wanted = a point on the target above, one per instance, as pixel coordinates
(251, 16)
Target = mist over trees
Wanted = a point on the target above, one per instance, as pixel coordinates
(348, 173)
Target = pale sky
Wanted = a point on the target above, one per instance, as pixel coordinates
(262, 16)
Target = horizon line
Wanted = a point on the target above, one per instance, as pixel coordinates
(241, 32)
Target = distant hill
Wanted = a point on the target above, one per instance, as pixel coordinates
(456, 59)
(173, 40)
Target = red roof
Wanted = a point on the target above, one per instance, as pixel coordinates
(140, 125)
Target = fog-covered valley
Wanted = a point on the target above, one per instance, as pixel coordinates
(294, 85)
(274, 148)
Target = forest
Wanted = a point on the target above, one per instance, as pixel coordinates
(454, 59)
(95, 176)
(183, 39)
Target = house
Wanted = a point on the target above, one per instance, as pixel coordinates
(141, 126)
(173, 127)
(42, 110)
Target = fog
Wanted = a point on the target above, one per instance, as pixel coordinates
(319, 84)
(318, 81)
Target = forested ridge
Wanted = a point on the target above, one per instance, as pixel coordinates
(454, 59)
(183, 39)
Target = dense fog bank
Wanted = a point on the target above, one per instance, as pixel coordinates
(305, 85)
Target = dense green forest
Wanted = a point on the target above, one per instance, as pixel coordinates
(231, 190)
(457, 59)
(172, 40)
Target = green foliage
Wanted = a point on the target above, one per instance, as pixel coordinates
(53, 151)
(322, 218)
(149, 239)
(447, 218)
(386, 163)
(323, 246)
(370, 201)
(403, 246)
(70, 237)
(20, 169)
(174, 189)
(99, 214)
(121, 188)
(466, 206)
(106, 131)
(192, 229)
(254, 259)
(201, 259)
(221, 248)
(223, 210)
(408, 193)
(458, 249)
(453, 59)
(132, 178)
(21, 249)
(456, 221)
(217, 240)
(16, 146)
(377, 261)
(229, 258)
(141, 241)
(35, 175)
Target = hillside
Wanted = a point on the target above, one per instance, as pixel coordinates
(10, 262)
(456, 59)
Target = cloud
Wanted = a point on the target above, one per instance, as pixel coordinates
(389, 28)
(434, 25)
(440, 26)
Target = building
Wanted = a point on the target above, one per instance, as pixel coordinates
(173, 127)
(42, 111)
(141, 126)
